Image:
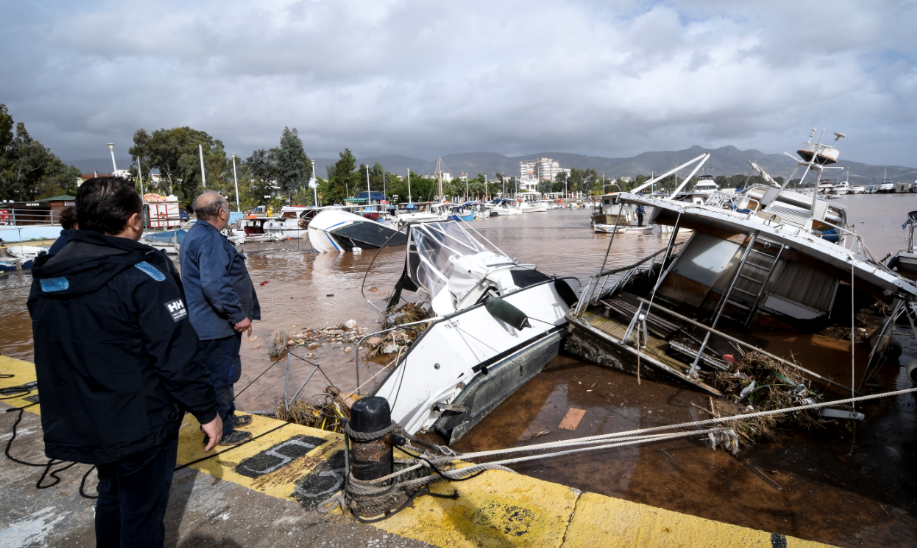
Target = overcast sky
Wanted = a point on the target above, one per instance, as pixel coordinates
(423, 78)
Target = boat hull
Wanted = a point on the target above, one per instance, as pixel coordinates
(457, 355)
(485, 392)
(339, 231)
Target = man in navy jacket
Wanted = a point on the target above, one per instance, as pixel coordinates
(118, 362)
(221, 303)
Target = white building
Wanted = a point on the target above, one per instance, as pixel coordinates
(542, 169)
(447, 177)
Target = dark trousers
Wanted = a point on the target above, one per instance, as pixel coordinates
(639, 220)
(133, 495)
(225, 368)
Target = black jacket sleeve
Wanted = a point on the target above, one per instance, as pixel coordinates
(171, 341)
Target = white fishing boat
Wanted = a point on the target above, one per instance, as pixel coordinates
(533, 207)
(417, 212)
(905, 261)
(609, 211)
(496, 324)
(504, 208)
(334, 230)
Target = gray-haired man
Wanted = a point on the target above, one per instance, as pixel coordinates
(221, 304)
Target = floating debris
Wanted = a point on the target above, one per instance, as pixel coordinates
(764, 384)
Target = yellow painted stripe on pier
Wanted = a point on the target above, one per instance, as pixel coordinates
(23, 373)
(621, 523)
(494, 509)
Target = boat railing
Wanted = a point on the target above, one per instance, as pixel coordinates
(606, 283)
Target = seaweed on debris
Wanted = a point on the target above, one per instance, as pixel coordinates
(326, 416)
(764, 384)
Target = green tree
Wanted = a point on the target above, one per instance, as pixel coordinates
(28, 170)
(261, 172)
(342, 179)
(174, 152)
(293, 166)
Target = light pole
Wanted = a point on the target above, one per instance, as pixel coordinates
(140, 174)
(111, 148)
(369, 192)
(236, 179)
(200, 151)
(409, 186)
(314, 184)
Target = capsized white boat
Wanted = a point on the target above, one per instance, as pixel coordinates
(334, 230)
(497, 324)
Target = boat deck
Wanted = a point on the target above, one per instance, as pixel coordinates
(655, 346)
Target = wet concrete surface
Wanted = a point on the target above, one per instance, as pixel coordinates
(203, 511)
(863, 499)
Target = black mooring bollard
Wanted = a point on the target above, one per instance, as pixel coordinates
(371, 459)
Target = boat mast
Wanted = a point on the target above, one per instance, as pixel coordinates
(439, 176)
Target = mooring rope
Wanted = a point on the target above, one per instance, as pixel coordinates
(626, 438)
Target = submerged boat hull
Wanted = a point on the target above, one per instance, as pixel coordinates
(458, 356)
(504, 376)
(339, 231)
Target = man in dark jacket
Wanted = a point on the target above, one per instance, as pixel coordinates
(67, 222)
(221, 303)
(117, 362)
(640, 212)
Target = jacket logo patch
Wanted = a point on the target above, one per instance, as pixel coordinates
(150, 271)
(49, 285)
(177, 309)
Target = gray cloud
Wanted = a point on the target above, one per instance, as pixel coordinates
(423, 78)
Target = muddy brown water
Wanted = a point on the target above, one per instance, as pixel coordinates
(828, 494)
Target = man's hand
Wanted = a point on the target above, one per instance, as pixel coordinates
(243, 325)
(214, 432)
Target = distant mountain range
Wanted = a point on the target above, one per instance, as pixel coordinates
(726, 160)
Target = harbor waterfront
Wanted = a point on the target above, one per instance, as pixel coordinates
(847, 490)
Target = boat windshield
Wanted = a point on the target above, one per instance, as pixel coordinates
(446, 255)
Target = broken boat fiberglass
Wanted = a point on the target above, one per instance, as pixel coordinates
(495, 324)
(765, 259)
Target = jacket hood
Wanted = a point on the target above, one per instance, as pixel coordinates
(87, 262)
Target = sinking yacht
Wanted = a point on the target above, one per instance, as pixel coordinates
(335, 230)
(496, 324)
(766, 258)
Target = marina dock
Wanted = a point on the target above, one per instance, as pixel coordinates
(265, 493)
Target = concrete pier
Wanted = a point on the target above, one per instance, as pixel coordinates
(264, 493)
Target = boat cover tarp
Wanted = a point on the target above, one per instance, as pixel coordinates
(447, 255)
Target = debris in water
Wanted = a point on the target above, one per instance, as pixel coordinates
(265, 282)
(766, 385)
(253, 338)
(572, 419)
(280, 344)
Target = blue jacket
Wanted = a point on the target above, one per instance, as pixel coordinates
(639, 210)
(218, 289)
